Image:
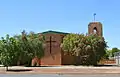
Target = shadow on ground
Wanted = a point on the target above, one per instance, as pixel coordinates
(19, 70)
(105, 65)
(100, 65)
(79, 65)
(42, 66)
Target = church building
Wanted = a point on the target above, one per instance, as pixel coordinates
(54, 55)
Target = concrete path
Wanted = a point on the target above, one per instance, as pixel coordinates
(61, 70)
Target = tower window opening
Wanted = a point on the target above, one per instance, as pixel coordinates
(95, 30)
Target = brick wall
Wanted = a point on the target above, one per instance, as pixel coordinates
(68, 59)
(53, 57)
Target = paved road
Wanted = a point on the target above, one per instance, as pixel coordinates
(56, 75)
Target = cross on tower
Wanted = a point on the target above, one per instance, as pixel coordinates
(94, 16)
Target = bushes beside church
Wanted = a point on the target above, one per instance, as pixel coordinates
(20, 49)
(88, 50)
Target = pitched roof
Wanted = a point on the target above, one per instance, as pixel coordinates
(57, 32)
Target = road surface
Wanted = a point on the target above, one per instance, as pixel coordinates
(57, 75)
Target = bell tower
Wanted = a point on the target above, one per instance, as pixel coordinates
(95, 28)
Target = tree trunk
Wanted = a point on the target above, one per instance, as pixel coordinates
(6, 68)
(18, 62)
(77, 60)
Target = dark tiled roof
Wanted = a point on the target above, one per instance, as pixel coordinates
(57, 32)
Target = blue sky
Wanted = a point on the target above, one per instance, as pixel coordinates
(60, 15)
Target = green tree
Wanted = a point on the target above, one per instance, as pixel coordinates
(14, 50)
(8, 50)
(69, 43)
(32, 45)
(114, 50)
(88, 49)
(36, 44)
(110, 53)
